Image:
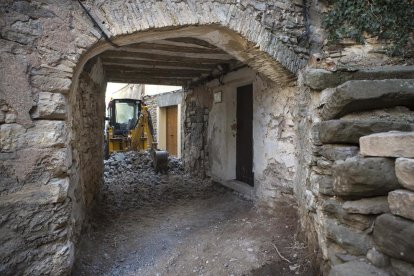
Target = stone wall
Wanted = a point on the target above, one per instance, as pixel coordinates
(274, 133)
(151, 102)
(352, 187)
(51, 123)
(87, 112)
(198, 102)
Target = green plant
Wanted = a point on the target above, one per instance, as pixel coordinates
(391, 20)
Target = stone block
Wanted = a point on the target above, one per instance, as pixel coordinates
(334, 207)
(389, 144)
(394, 236)
(337, 152)
(402, 203)
(50, 106)
(54, 192)
(51, 84)
(404, 169)
(11, 117)
(354, 241)
(377, 258)
(320, 79)
(2, 117)
(357, 268)
(322, 183)
(402, 268)
(362, 95)
(374, 205)
(9, 136)
(45, 134)
(363, 177)
(349, 132)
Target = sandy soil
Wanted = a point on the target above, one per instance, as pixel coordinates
(178, 225)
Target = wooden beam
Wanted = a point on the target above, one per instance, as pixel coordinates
(174, 48)
(151, 56)
(156, 64)
(164, 81)
(192, 40)
(155, 71)
(169, 74)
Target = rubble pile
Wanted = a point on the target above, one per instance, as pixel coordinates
(131, 182)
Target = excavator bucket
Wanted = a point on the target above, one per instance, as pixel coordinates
(160, 160)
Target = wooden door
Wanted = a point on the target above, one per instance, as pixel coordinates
(172, 130)
(244, 139)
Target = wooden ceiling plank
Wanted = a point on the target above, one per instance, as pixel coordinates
(174, 48)
(151, 56)
(192, 40)
(156, 63)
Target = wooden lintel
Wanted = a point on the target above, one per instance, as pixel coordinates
(175, 48)
(156, 64)
(192, 40)
(150, 81)
(154, 71)
(159, 57)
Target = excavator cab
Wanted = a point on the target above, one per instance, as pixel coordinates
(130, 128)
(122, 116)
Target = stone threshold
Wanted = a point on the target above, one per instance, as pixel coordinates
(236, 185)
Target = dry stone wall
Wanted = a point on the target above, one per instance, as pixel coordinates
(362, 212)
(50, 124)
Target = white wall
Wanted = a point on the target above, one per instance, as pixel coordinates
(151, 89)
(274, 138)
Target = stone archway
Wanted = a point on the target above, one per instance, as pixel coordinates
(46, 49)
(86, 96)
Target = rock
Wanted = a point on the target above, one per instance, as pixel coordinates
(50, 106)
(51, 84)
(11, 118)
(54, 192)
(390, 144)
(402, 268)
(356, 221)
(362, 177)
(394, 236)
(349, 132)
(9, 136)
(44, 134)
(402, 203)
(354, 241)
(377, 258)
(335, 253)
(375, 205)
(2, 117)
(353, 96)
(322, 183)
(320, 79)
(337, 152)
(404, 169)
(357, 268)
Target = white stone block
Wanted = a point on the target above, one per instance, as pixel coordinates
(388, 144)
(404, 169)
(402, 203)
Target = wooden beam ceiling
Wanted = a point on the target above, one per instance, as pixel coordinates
(176, 61)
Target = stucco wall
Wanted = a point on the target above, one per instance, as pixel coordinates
(274, 138)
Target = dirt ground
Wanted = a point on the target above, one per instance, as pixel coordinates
(175, 224)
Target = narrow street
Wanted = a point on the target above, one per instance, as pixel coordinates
(175, 224)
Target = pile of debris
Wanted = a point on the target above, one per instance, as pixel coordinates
(130, 182)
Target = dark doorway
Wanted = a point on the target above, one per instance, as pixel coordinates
(244, 140)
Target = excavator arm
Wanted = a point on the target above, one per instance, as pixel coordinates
(142, 138)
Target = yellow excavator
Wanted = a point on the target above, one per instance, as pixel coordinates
(130, 128)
